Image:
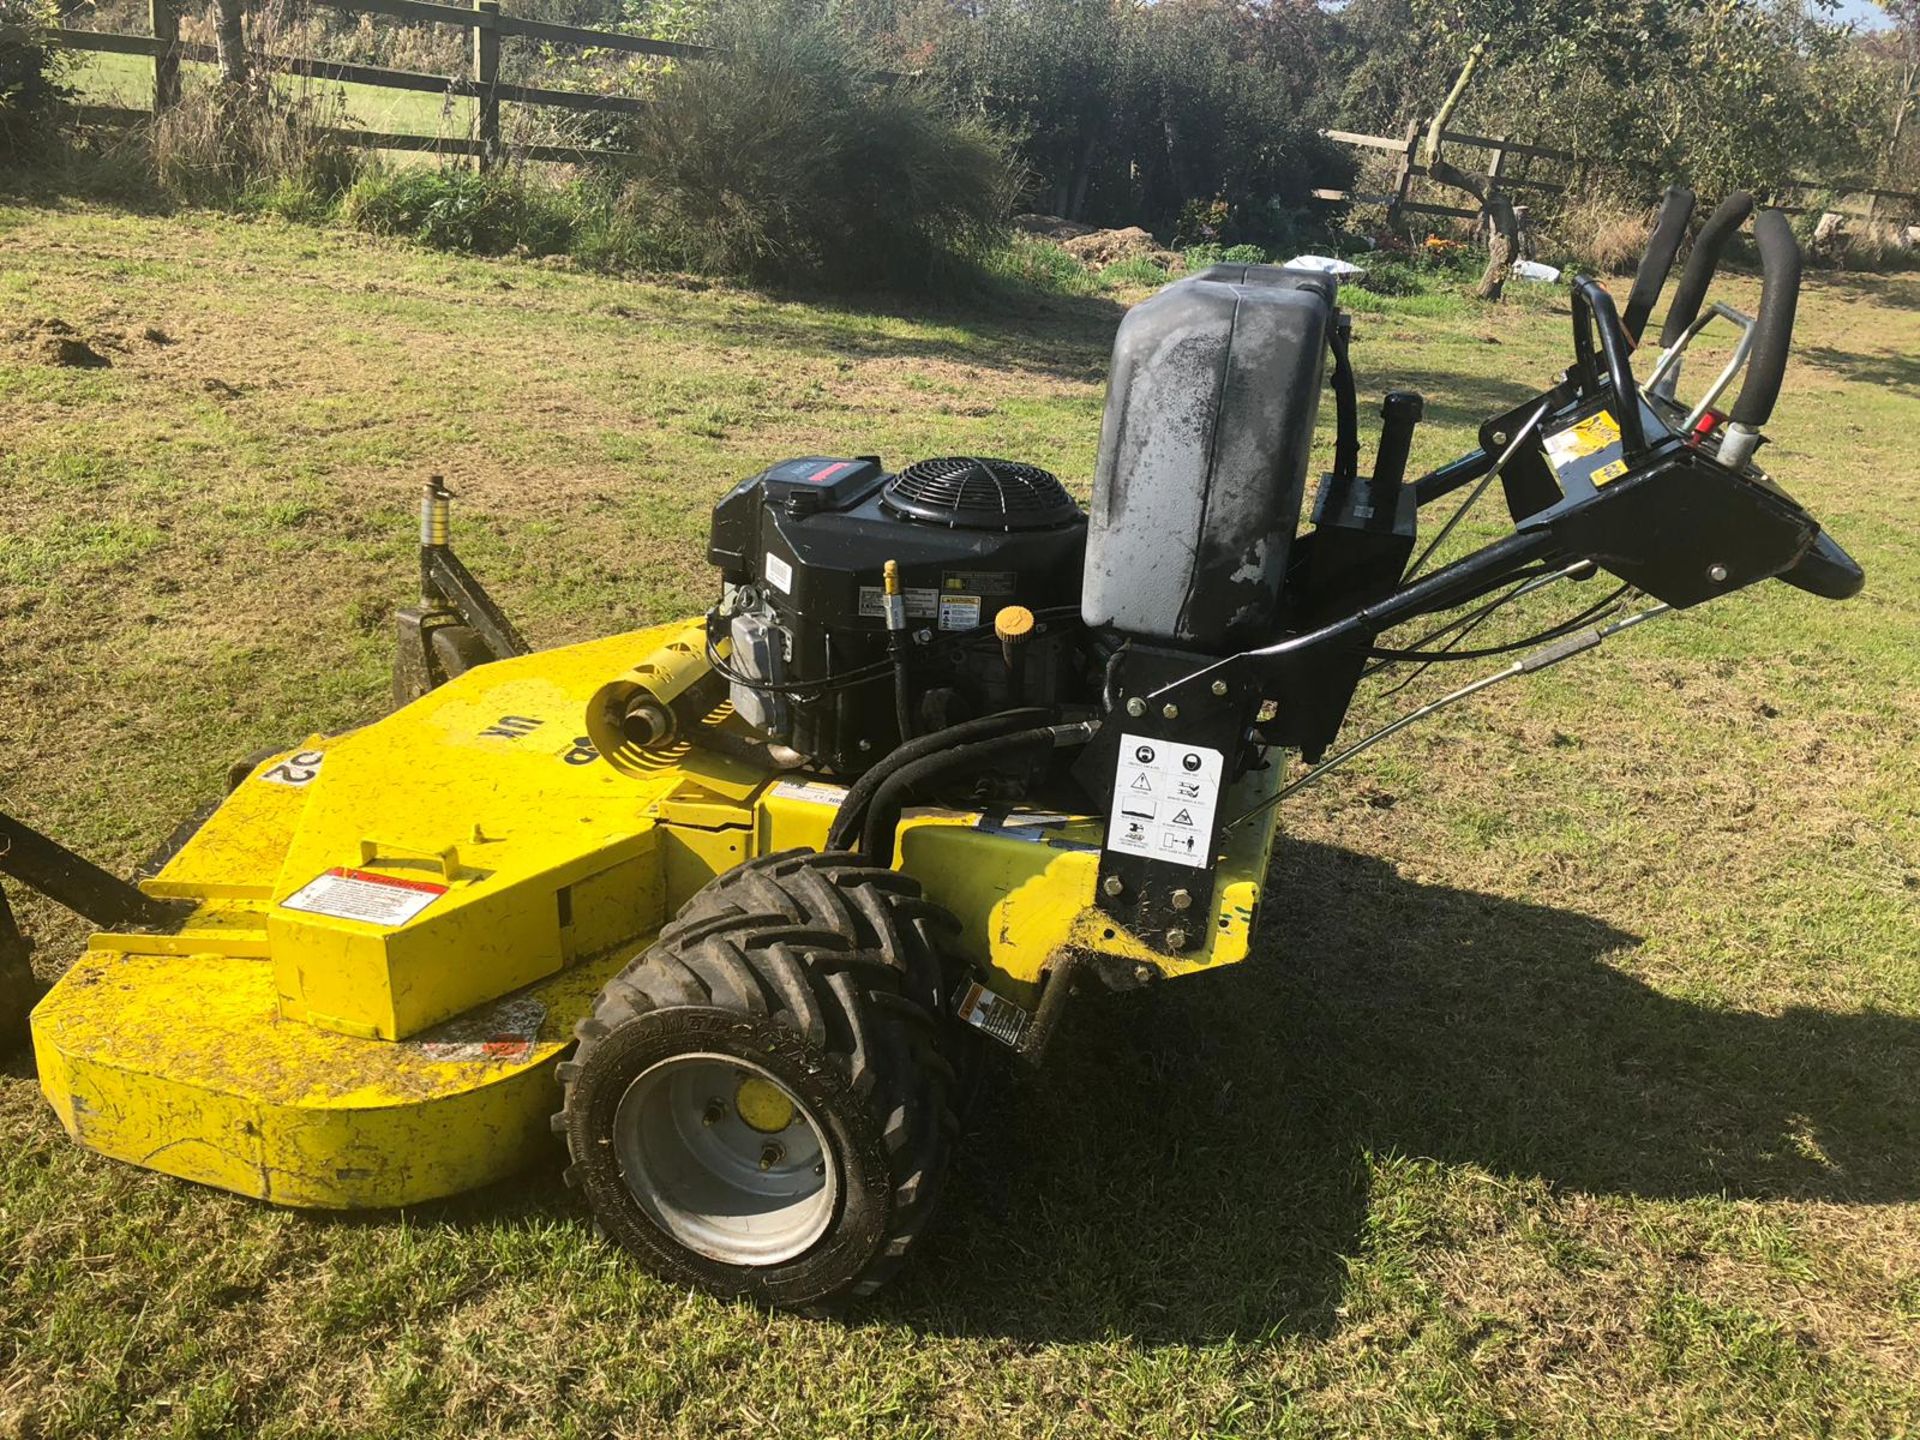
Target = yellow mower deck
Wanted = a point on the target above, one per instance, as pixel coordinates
(393, 931)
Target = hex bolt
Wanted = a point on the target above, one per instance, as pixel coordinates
(1170, 710)
(715, 1112)
(1136, 707)
(1499, 437)
(1143, 973)
(1182, 900)
(1220, 688)
(1113, 885)
(1717, 574)
(1176, 939)
(771, 1155)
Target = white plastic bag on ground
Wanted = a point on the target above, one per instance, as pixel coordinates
(1326, 264)
(1534, 270)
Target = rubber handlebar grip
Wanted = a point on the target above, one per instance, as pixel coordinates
(1669, 229)
(1708, 245)
(1773, 330)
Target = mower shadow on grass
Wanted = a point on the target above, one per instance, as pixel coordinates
(1201, 1162)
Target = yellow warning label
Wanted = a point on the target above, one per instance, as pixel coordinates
(1583, 438)
(1612, 470)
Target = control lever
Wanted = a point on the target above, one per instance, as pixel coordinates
(1400, 411)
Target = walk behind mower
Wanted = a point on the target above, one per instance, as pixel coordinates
(737, 906)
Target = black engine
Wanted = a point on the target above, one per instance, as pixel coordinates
(986, 557)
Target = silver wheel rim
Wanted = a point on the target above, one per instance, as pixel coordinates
(699, 1144)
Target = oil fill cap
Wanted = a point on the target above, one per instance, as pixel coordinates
(1014, 622)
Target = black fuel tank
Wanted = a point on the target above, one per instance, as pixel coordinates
(1211, 403)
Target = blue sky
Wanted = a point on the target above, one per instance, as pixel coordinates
(1863, 12)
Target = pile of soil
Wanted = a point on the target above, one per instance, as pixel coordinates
(1096, 248)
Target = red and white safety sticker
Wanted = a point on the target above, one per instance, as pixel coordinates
(348, 894)
(995, 1014)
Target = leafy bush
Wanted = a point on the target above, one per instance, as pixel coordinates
(1201, 256)
(1191, 118)
(31, 68)
(492, 214)
(786, 160)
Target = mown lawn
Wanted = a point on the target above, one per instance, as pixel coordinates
(1575, 1091)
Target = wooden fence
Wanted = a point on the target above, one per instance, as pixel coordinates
(482, 81)
(1500, 151)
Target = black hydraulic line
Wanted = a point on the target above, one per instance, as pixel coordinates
(1346, 442)
(902, 695)
(847, 823)
(890, 798)
(80, 885)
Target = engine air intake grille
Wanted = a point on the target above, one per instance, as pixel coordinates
(970, 493)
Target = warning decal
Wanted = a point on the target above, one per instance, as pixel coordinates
(1583, 438)
(507, 1031)
(813, 792)
(959, 612)
(922, 603)
(359, 895)
(995, 1014)
(1164, 796)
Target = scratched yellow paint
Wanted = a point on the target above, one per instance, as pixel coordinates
(316, 1060)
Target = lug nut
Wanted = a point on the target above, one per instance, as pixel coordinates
(1136, 707)
(1182, 899)
(1113, 885)
(772, 1155)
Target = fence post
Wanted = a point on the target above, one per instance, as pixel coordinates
(486, 76)
(164, 20)
(1496, 164)
(1403, 175)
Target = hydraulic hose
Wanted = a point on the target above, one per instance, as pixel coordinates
(890, 798)
(1708, 246)
(846, 825)
(1668, 231)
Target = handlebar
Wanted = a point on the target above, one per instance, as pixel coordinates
(1708, 245)
(1593, 311)
(1773, 330)
(1668, 231)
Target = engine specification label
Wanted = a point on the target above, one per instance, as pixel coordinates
(358, 895)
(1164, 796)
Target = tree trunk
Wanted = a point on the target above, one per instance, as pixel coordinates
(232, 44)
(1503, 238)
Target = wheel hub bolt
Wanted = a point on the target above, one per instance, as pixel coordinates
(715, 1112)
(772, 1155)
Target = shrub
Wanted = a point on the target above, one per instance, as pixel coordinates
(786, 160)
(31, 68)
(491, 214)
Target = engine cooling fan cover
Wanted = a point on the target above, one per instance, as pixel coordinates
(972, 493)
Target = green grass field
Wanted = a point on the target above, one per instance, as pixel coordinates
(1575, 1090)
(102, 79)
